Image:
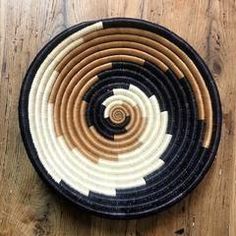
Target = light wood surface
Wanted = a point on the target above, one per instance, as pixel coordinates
(27, 206)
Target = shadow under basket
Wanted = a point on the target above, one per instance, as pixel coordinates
(120, 116)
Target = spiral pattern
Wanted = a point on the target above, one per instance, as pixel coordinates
(121, 116)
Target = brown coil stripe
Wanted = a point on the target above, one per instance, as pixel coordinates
(151, 45)
(118, 114)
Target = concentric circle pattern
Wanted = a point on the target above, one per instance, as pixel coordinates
(120, 116)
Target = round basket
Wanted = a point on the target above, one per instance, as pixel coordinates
(120, 116)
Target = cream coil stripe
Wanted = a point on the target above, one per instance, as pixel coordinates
(163, 134)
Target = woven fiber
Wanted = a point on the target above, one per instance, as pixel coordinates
(120, 116)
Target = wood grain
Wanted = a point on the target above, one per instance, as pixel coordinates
(27, 206)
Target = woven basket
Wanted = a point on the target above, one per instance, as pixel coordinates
(120, 116)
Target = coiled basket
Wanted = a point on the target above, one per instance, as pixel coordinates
(120, 116)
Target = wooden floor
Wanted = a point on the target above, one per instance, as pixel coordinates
(27, 206)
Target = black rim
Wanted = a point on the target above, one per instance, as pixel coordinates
(68, 192)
